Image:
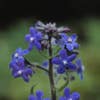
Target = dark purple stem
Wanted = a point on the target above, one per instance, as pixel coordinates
(52, 85)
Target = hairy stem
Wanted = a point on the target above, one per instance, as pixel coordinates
(52, 85)
(65, 84)
(36, 65)
(40, 67)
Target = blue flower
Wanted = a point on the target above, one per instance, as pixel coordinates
(18, 65)
(19, 52)
(64, 62)
(38, 96)
(18, 55)
(25, 73)
(34, 38)
(68, 96)
(80, 68)
(68, 41)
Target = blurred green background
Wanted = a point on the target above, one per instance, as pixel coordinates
(12, 37)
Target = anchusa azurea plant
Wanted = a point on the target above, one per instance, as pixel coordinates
(61, 60)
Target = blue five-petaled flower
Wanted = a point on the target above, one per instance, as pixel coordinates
(39, 96)
(68, 96)
(34, 39)
(18, 66)
(68, 41)
(64, 61)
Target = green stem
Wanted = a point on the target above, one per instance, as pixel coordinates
(36, 65)
(65, 84)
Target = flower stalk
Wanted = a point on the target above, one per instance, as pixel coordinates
(52, 85)
(61, 60)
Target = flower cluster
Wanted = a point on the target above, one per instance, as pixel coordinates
(18, 66)
(65, 60)
(38, 96)
(67, 95)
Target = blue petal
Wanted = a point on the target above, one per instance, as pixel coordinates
(74, 37)
(62, 98)
(13, 65)
(15, 74)
(75, 96)
(76, 45)
(56, 60)
(31, 45)
(60, 42)
(81, 76)
(67, 92)
(27, 37)
(79, 62)
(69, 46)
(39, 95)
(26, 51)
(64, 36)
(28, 71)
(63, 53)
(38, 45)
(25, 77)
(32, 31)
(71, 66)
(80, 68)
(31, 97)
(19, 50)
(71, 57)
(46, 99)
(60, 69)
(39, 36)
(20, 62)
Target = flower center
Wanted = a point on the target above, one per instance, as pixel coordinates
(20, 72)
(69, 39)
(64, 62)
(70, 99)
(16, 55)
(32, 39)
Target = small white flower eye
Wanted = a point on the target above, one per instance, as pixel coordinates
(16, 54)
(32, 39)
(20, 72)
(64, 62)
(69, 39)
